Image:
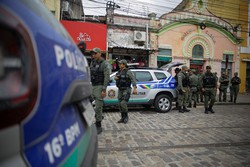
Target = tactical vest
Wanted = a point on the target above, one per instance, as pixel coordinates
(185, 81)
(209, 80)
(224, 83)
(123, 81)
(235, 81)
(97, 75)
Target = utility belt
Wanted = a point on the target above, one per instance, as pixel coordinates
(97, 83)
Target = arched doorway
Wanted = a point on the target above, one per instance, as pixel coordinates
(196, 62)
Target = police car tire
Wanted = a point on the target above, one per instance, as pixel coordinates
(159, 99)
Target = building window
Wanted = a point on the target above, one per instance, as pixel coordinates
(197, 51)
(164, 56)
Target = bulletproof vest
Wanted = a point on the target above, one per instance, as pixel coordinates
(224, 83)
(123, 81)
(209, 80)
(185, 80)
(235, 81)
(97, 75)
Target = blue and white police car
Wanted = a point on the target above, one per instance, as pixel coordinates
(155, 87)
(46, 118)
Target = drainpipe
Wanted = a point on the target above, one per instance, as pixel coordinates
(147, 40)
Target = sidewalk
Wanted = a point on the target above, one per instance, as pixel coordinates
(241, 100)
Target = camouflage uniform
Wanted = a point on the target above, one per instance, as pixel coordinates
(100, 74)
(209, 85)
(125, 78)
(182, 90)
(234, 88)
(224, 81)
(193, 84)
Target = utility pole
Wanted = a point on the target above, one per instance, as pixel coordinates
(110, 7)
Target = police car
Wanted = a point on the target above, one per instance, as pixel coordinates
(46, 118)
(155, 87)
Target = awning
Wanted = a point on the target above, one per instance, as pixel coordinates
(248, 60)
(164, 58)
(197, 62)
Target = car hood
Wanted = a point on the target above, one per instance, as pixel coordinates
(169, 66)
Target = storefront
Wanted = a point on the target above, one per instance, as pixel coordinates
(136, 56)
(93, 34)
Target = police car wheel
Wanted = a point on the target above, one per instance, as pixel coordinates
(162, 103)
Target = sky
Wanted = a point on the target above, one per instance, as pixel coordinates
(130, 7)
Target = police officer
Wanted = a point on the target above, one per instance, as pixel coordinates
(209, 85)
(100, 73)
(234, 89)
(177, 70)
(200, 93)
(193, 84)
(224, 81)
(182, 89)
(123, 78)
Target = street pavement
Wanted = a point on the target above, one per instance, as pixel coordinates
(174, 139)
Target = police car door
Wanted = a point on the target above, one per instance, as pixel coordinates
(144, 80)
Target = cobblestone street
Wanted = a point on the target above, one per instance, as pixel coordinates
(176, 139)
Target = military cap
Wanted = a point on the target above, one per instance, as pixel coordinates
(96, 50)
(123, 61)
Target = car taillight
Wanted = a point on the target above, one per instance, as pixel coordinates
(18, 71)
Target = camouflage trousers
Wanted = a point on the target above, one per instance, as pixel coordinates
(183, 97)
(209, 95)
(96, 93)
(123, 97)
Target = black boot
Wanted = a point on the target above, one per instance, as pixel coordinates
(125, 120)
(99, 127)
(122, 118)
(194, 105)
(211, 109)
(206, 110)
(185, 109)
(180, 109)
(189, 105)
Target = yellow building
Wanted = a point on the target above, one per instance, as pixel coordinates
(53, 6)
(236, 12)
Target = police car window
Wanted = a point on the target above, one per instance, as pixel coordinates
(160, 75)
(142, 76)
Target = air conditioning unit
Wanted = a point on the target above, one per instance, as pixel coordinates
(139, 36)
(95, 17)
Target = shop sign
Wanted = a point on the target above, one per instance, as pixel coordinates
(189, 31)
(94, 34)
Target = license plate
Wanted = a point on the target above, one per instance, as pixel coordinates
(89, 112)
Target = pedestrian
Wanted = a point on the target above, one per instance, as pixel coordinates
(100, 73)
(217, 79)
(124, 77)
(234, 89)
(182, 89)
(193, 83)
(82, 46)
(177, 70)
(209, 85)
(224, 81)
